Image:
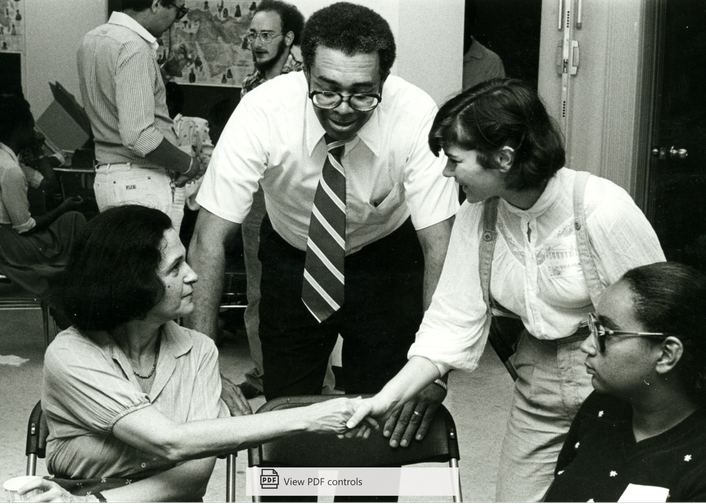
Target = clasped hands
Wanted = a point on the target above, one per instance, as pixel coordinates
(401, 424)
(359, 417)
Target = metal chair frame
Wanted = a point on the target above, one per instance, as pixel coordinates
(308, 450)
(36, 448)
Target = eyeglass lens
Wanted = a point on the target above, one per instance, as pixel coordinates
(331, 100)
(597, 331)
(265, 37)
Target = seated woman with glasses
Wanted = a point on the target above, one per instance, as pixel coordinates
(132, 399)
(640, 436)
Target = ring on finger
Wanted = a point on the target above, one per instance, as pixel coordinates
(417, 413)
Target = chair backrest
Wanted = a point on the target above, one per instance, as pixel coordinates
(311, 450)
(37, 434)
(13, 297)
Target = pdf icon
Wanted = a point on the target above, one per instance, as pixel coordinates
(269, 479)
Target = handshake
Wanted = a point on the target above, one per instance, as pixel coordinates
(358, 417)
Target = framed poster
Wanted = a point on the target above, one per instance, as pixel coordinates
(12, 26)
(213, 34)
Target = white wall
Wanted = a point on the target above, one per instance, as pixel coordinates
(55, 29)
(430, 45)
(429, 37)
(428, 33)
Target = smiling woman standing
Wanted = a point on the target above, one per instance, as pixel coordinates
(132, 399)
(640, 436)
(503, 147)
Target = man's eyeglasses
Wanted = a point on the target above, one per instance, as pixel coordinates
(362, 102)
(265, 37)
(599, 332)
(182, 10)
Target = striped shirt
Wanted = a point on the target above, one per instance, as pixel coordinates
(123, 91)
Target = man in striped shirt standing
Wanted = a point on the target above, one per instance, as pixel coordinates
(138, 160)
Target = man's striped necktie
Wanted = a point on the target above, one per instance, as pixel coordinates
(323, 287)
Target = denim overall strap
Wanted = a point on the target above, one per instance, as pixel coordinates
(485, 257)
(487, 247)
(588, 264)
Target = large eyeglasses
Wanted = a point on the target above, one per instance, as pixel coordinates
(599, 332)
(363, 102)
(266, 37)
(182, 10)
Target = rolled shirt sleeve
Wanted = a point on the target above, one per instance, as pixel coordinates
(134, 94)
(431, 197)
(84, 386)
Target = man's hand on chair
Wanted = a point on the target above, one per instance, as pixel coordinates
(234, 398)
(412, 420)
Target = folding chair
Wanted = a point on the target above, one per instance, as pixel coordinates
(36, 448)
(12, 297)
(310, 450)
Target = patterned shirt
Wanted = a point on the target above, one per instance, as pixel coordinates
(256, 78)
(123, 91)
(602, 462)
(192, 132)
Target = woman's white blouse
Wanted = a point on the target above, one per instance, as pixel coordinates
(536, 271)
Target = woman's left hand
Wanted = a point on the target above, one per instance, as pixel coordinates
(51, 492)
(413, 419)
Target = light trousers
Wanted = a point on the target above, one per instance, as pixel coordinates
(551, 387)
(129, 184)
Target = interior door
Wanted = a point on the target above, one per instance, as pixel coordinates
(676, 196)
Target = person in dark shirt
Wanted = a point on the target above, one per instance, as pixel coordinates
(640, 436)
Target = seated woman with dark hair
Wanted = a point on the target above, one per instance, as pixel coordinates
(640, 436)
(32, 248)
(132, 399)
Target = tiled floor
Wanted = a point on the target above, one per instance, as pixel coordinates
(479, 403)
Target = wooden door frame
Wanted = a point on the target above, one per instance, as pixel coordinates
(648, 124)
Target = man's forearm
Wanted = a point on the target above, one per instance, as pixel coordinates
(434, 241)
(208, 261)
(170, 157)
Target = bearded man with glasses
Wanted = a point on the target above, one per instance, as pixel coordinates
(358, 211)
(275, 28)
(137, 157)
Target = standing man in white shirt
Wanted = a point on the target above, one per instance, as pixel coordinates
(397, 209)
(138, 160)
